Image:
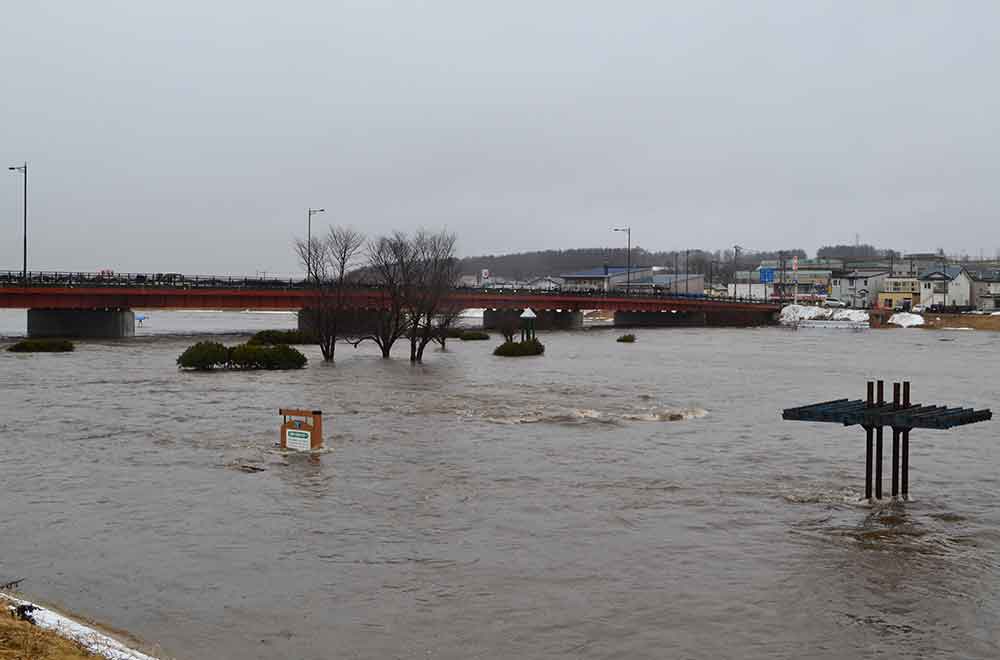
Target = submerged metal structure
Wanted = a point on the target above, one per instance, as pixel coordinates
(874, 413)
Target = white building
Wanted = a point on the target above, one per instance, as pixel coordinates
(950, 286)
(857, 288)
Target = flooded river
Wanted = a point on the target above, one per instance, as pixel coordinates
(605, 500)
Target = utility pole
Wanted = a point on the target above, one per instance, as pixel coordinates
(687, 273)
(628, 257)
(23, 169)
(736, 262)
(309, 242)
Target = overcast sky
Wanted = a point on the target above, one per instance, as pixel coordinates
(192, 135)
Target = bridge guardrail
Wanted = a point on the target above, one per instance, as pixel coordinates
(173, 281)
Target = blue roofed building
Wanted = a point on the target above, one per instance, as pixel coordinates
(605, 278)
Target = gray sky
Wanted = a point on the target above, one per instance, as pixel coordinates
(192, 135)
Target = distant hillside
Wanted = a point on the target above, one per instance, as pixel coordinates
(524, 265)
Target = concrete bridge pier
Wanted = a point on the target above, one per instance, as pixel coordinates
(547, 319)
(665, 319)
(83, 323)
(350, 321)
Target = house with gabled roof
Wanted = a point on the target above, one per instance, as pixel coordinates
(949, 286)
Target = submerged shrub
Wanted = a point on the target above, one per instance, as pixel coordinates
(474, 335)
(42, 346)
(520, 348)
(282, 356)
(275, 337)
(627, 339)
(203, 356)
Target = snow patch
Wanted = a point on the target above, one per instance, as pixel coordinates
(906, 320)
(793, 314)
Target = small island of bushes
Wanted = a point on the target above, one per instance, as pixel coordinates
(277, 337)
(626, 339)
(474, 335)
(42, 346)
(209, 355)
(520, 348)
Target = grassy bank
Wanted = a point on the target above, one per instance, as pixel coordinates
(21, 640)
(976, 321)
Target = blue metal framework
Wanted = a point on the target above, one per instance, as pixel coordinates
(873, 414)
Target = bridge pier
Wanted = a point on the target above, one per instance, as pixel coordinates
(547, 319)
(666, 319)
(85, 323)
(349, 321)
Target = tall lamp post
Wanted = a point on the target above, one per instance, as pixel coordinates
(736, 262)
(628, 257)
(23, 169)
(309, 242)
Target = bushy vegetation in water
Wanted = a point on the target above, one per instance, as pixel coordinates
(208, 355)
(474, 335)
(627, 339)
(282, 356)
(275, 337)
(42, 346)
(520, 348)
(204, 356)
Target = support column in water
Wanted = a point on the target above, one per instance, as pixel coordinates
(906, 463)
(84, 323)
(878, 463)
(869, 432)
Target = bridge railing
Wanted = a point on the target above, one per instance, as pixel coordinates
(109, 279)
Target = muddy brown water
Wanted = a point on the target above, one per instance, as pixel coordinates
(605, 500)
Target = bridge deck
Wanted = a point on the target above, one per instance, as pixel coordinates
(89, 291)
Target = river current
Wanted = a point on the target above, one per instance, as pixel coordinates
(603, 500)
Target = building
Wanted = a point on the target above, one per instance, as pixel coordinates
(544, 284)
(950, 286)
(857, 288)
(985, 289)
(682, 284)
(810, 282)
(752, 291)
(899, 291)
(606, 277)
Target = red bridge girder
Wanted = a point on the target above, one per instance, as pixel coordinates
(295, 299)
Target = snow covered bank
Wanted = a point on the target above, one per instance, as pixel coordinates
(793, 314)
(906, 320)
(93, 640)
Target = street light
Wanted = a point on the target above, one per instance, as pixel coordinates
(628, 257)
(23, 169)
(736, 263)
(309, 241)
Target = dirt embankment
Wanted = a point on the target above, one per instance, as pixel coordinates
(975, 321)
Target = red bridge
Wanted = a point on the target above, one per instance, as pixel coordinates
(75, 304)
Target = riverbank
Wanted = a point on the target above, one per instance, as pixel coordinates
(31, 630)
(956, 321)
(20, 639)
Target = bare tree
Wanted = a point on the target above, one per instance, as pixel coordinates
(391, 267)
(434, 273)
(330, 259)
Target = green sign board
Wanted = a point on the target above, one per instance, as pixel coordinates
(298, 440)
